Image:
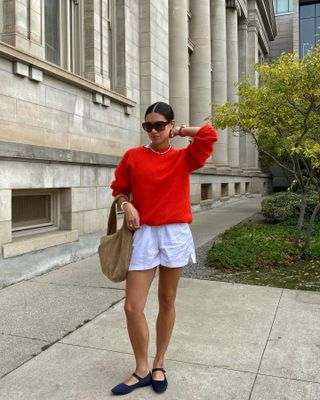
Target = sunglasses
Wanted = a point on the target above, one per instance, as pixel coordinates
(158, 126)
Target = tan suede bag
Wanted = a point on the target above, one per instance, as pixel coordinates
(115, 248)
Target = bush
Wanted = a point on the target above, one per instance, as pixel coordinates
(285, 206)
(251, 247)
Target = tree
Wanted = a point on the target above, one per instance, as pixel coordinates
(283, 117)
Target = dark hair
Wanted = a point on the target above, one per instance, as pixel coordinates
(161, 108)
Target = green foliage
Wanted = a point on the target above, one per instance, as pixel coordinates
(248, 247)
(254, 247)
(283, 114)
(285, 206)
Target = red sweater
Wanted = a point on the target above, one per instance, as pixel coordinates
(159, 184)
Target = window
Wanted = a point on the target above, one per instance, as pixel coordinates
(237, 188)
(247, 187)
(64, 34)
(224, 190)
(282, 6)
(309, 27)
(112, 42)
(206, 192)
(52, 32)
(33, 210)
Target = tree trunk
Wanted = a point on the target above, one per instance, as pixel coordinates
(310, 226)
(301, 218)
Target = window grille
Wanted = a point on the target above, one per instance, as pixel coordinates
(205, 191)
(33, 210)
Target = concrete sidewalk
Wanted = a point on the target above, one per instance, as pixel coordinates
(63, 334)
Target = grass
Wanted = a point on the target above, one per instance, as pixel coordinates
(264, 254)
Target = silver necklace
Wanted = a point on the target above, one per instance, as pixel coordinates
(158, 152)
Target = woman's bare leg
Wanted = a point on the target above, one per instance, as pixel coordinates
(137, 287)
(167, 290)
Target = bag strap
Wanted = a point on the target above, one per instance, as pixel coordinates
(112, 221)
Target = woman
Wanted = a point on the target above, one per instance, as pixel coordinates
(157, 178)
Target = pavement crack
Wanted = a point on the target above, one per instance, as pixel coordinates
(23, 337)
(50, 344)
(74, 285)
(290, 379)
(267, 341)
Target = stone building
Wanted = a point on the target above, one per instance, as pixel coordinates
(76, 77)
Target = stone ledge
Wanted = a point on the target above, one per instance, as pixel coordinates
(38, 242)
(21, 151)
(15, 54)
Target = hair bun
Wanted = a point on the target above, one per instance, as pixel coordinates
(161, 108)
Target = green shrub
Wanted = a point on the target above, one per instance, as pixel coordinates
(253, 247)
(258, 246)
(285, 206)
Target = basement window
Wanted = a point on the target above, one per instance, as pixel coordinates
(34, 211)
(206, 191)
(237, 188)
(224, 190)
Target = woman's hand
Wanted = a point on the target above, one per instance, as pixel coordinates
(179, 130)
(174, 131)
(132, 216)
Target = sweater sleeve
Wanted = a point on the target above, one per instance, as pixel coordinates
(201, 147)
(122, 182)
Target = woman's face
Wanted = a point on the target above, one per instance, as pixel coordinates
(159, 137)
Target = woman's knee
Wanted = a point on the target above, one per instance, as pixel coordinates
(133, 309)
(167, 302)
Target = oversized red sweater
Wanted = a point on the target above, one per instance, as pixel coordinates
(159, 184)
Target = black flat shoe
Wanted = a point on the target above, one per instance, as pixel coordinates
(159, 386)
(123, 388)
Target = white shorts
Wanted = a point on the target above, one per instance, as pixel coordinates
(170, 245)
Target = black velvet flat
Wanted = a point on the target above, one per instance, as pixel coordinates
(123, 388)
(159, 386)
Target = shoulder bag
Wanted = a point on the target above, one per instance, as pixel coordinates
(115, 248)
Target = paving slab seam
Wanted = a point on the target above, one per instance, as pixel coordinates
(290, 379)
(267, 341)
(211, 366)
(23, 337)
(50, 344)
(70, 285)
(151, 358)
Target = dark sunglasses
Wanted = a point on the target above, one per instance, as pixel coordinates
(158, 126)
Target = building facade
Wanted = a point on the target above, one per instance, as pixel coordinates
(76, 77)
(298, 26)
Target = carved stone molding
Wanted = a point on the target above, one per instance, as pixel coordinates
(234, 4)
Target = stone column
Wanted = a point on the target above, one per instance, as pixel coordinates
(179, 63)
(219, 72)
(22, 26)
(96, 66)
(243, 45)
(178, 56)
(233, 74)
(200, 68)
(252, 57)
(154, 55)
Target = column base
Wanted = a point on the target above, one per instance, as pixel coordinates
(252, 171)
(223, 169)
(237, 170)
